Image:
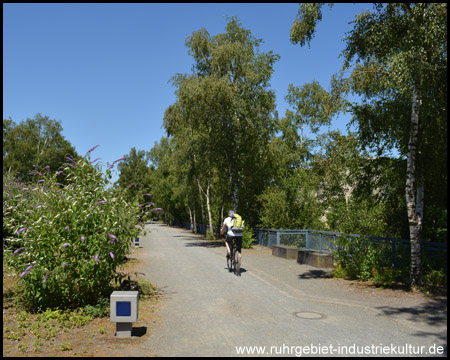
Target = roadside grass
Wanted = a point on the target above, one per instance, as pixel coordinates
(81, 332)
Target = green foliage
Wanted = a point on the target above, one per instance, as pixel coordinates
(135, 181)
(435, 277)
(168, 182)
(386, 276)
(397, 55)
(45, 326)
(65, 346)
(135, 175)
(210, 235)
(34, 142)
(67, 242)
(100, 309)
(357, 216)
(49, 323)
(221, 120)
(358, 258)
(312, 107)
(354, 187)
(294, 203)
(304, 26)
(247, 237)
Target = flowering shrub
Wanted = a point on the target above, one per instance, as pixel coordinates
(66, 242)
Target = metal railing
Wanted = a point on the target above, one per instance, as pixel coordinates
(322, 241)
(325, 241)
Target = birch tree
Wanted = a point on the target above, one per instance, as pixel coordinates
(246, 119)
(397, 59)
(224, 109)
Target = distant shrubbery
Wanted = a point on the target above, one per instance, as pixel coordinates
(358, 258)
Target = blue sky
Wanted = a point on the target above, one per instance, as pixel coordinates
(103, 70)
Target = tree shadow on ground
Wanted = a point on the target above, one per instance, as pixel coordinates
(316, 274)
(205, 243)
(432, 311)
(187, 237)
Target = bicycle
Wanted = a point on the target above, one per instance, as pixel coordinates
(234, 260)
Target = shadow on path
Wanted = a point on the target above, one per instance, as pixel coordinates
(433, 311)
(206, 243)
(316, 274)
(243, 270)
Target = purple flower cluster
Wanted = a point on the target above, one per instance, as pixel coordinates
(19, 250)
(114, 238)
(96, 146)
(27, 270)
(20, 230)
(122, 158)
(151, 203)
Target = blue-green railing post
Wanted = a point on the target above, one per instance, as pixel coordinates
(394, 262)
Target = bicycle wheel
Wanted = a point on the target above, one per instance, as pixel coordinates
(230, 261)
(237, 262)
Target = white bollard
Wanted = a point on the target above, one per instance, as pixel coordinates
(136, 242)
(124, 311)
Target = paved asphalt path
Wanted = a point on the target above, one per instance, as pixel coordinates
(277, 304)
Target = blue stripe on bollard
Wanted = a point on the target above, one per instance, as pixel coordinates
(123, 308)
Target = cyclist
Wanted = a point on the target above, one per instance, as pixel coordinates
(230, 236)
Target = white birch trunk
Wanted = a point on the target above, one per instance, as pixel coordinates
(208, 201)
(200, 190)
(414, 203)
(190, 212)
(208, 206)
(194, 215)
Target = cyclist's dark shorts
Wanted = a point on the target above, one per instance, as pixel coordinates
(238, 242)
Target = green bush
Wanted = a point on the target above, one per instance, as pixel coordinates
(435, 277)
(210, 235)
(101, 309)
(359, 258)
(247, 237)
(67, 242)
(386, 276)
